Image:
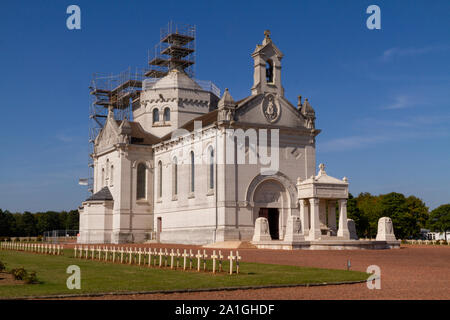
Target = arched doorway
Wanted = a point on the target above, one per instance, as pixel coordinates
(271, 201)
(273, 216)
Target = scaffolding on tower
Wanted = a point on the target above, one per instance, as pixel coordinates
(116, 91)
(120, 92)
(175, 50)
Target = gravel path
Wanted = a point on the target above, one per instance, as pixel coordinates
(412, 272)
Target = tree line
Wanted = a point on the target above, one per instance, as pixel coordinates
(408, 214)
(29, 224)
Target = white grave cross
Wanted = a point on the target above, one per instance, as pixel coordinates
(231, 258)
(172, 254)
(185, 255)
(214, 257)
(198, 256)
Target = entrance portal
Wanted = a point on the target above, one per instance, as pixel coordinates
(272, 215)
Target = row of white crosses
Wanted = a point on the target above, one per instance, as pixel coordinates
(153, 257)
(53, 249)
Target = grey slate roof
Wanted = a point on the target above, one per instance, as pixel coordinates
(102, 195)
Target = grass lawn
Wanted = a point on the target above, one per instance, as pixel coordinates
(109, 277)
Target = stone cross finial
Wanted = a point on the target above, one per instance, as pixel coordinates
(198, 256)
(321, 167)
(267, 33)
(214, 257)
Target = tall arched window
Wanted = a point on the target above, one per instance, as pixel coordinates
(103, 177)
(160, 179)
(141, 181)
(211, 168)
(269, 71)
(175, 176)
(192, 175)
(155, 115)
(166, 115)
(111, 179)
(107, 171)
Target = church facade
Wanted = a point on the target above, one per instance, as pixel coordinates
(195, 168)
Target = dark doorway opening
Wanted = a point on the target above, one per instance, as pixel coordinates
(272, 215)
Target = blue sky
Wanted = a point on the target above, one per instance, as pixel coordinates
(382, 97)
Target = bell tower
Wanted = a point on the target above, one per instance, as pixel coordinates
(267, 68)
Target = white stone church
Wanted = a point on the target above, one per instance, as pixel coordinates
(170, 174)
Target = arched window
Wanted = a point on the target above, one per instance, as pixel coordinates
(155, 115)
(175, 176)
(107, 171)
(166, 115)
(141, 181)
(211, 168)
(269, 71)
(192, 175)
(111, 179)
(103, 177)
(160, 179)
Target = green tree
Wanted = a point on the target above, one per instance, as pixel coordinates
(440, 219)
(370, 208)
(73, 220)
(419, 210)
(48, 221)
(25, 224)
(7, 223)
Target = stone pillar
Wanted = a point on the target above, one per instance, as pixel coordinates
(314, 231)
(304, 216)
(343, 226)
(332, 217)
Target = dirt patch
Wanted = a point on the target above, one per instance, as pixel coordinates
(7, 279)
